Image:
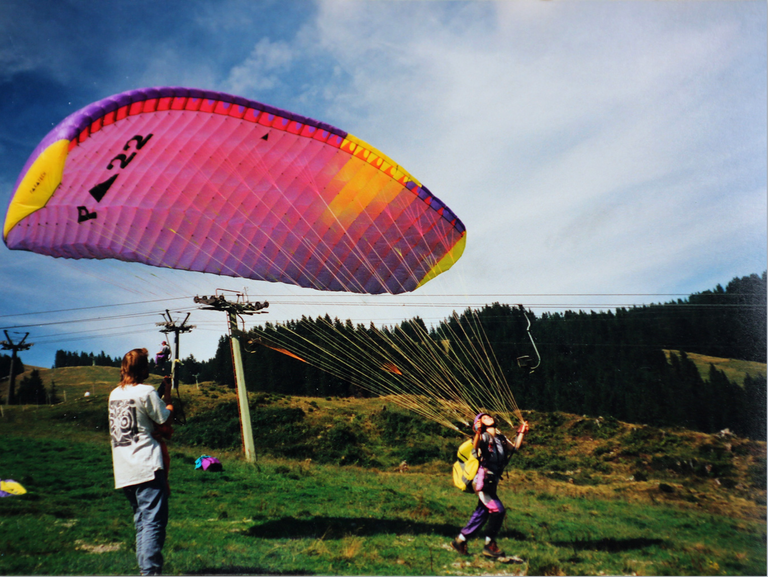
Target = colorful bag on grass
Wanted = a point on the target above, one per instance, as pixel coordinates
(208, 463)
(9, 487)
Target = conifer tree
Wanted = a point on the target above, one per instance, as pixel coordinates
(754, 416)
(31, 389)
(53, 394)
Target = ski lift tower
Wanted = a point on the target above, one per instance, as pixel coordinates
(170, 326)
(9, 345)
(234, 310)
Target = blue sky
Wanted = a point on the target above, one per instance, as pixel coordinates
(599, 153)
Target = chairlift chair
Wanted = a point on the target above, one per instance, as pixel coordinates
(525, 361)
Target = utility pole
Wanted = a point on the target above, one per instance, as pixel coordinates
(9, 345)
(234, 310)
(170, 326)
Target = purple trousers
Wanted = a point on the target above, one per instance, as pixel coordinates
(489, 508)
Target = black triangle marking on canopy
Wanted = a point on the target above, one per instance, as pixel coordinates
(265, 137)
(98, 191)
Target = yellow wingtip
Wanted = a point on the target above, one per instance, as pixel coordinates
(447, 261)
(38, 185)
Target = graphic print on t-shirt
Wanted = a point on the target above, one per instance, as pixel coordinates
(123, 426)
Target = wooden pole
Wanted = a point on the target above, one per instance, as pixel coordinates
(175, 361)
(242, 394)
(11, 396)
(233, 310)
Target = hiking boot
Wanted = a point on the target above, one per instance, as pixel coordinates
(492, 550)
(460, 546)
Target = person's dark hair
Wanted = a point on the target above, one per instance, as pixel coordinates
(135, 367)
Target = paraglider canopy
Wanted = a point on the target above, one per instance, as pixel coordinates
(209, 182)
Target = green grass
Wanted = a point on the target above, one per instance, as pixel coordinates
(585, 496)
(283, 517)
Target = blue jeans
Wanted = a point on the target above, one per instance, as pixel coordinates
(149, 502)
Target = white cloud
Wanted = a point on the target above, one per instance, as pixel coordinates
(577, 142)
(263, 68)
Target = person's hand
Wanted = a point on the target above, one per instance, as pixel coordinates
(167, 385)
(523, 428)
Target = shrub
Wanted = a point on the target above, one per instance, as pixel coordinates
(415, 439)
(343, 445)
(599, 428)
(283, 431)
(398, 426)
(545, 461)
(218, 428)
(427, 450)
(276, 430)
(640, 476)
(757, 473)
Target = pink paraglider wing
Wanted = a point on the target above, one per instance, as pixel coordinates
(204, 181)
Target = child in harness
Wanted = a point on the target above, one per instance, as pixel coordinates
(493, 450)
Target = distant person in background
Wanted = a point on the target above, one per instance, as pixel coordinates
(493, 450)
(162, 357)
(135, 411)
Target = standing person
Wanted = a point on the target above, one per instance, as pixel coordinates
(493, 450)
(134, 410)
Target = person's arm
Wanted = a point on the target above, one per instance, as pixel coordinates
(167, 395)
(520, 436)
(159, 407)
(476, 453)
(478, 435)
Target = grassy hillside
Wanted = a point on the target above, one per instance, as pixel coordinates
(328, 494)
(74, 381)
(79, 380)
(734, 369)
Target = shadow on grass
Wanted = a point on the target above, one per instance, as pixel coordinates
(237, 570)
(338, 527)
(610, 544)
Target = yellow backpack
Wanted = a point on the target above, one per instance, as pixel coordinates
(465, 469)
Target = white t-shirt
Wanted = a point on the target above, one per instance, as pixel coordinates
(136, 455)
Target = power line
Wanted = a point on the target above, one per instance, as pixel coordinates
(480, 300)
(432, 302)
(91, 307)
(87, 320)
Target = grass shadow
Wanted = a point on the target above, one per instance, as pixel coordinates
(238, 570)
(339, 527)
(609, 544)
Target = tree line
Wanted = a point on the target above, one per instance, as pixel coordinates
(608, 363)
(83, 359)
